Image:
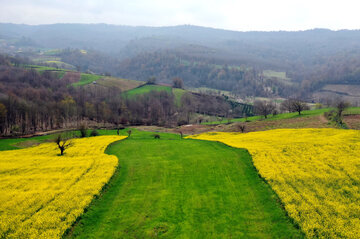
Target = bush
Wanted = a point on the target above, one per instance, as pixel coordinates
(83, 131)
(156, 136)
(94, 132)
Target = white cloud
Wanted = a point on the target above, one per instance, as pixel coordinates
(228, 14)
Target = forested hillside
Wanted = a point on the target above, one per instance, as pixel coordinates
(34, 99)
(202, 57)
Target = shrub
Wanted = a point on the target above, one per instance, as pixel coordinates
(83, 131)
(94, 132)
(156, 136)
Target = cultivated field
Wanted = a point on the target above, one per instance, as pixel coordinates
(86, 79)
(315, 172)
(121, 84)
(177, 188)
(146, 89)
(42, 194)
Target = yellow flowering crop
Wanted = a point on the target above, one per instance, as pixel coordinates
(315, 172)
(42, 194)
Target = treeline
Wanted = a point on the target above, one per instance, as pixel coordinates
(166, 65)
(31, 102)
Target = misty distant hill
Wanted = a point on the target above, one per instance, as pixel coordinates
(311, 59)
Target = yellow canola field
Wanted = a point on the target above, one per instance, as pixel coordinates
(42, 194)
(315, 172)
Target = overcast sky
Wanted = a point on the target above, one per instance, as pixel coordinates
(242, 15)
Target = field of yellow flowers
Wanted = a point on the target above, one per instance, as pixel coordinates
(315, 172)
(42, 194)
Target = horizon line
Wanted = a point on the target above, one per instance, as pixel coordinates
(181, 25)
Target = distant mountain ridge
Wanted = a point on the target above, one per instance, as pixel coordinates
(310, 59)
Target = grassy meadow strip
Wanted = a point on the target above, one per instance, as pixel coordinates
(146, 89)
(305, 113)
(177, 188)
(87, 79)
(315, 172)
(42, 194)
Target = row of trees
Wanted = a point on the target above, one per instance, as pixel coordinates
(266, 108)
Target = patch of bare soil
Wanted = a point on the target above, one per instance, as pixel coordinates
(352, 121)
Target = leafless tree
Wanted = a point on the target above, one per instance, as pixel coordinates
(298, 105)
(264, 107)
(286, 105)
(341, 106)
(178, 83)
(62, 143)
(294, 105)
(151, 80)
(241, 127)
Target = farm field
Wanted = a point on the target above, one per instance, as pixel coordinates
(87, 79)
(121, 84)
(293, 115)
(315, 172)
(146, 89)
(178, 188)
(42, 194)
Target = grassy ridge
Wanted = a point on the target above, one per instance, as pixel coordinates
(146, 89)
(121, 84)
(87, 79)
(183, 188)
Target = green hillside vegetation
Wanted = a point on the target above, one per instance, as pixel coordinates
(52, 52)
(275, 74)
(178, 188)
(119, 83)
(146, 89)
(87, 79)
(178, 93)
(305, 113)
(41, 69)
(17, 143)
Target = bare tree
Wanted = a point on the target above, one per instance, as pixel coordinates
(62, 143)
(241, 127)
(263, 107)
(298, 106)
(178, 83)
(286, 105)
(341, 106)
(151, 80)
(294, 105)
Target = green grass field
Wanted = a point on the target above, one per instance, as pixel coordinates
(146, 89)
(178, 93)
(119, 83)
(275, 74)
(179, 188)
(87, 79)
(42, 69)
(17, 143)
(305, 113)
